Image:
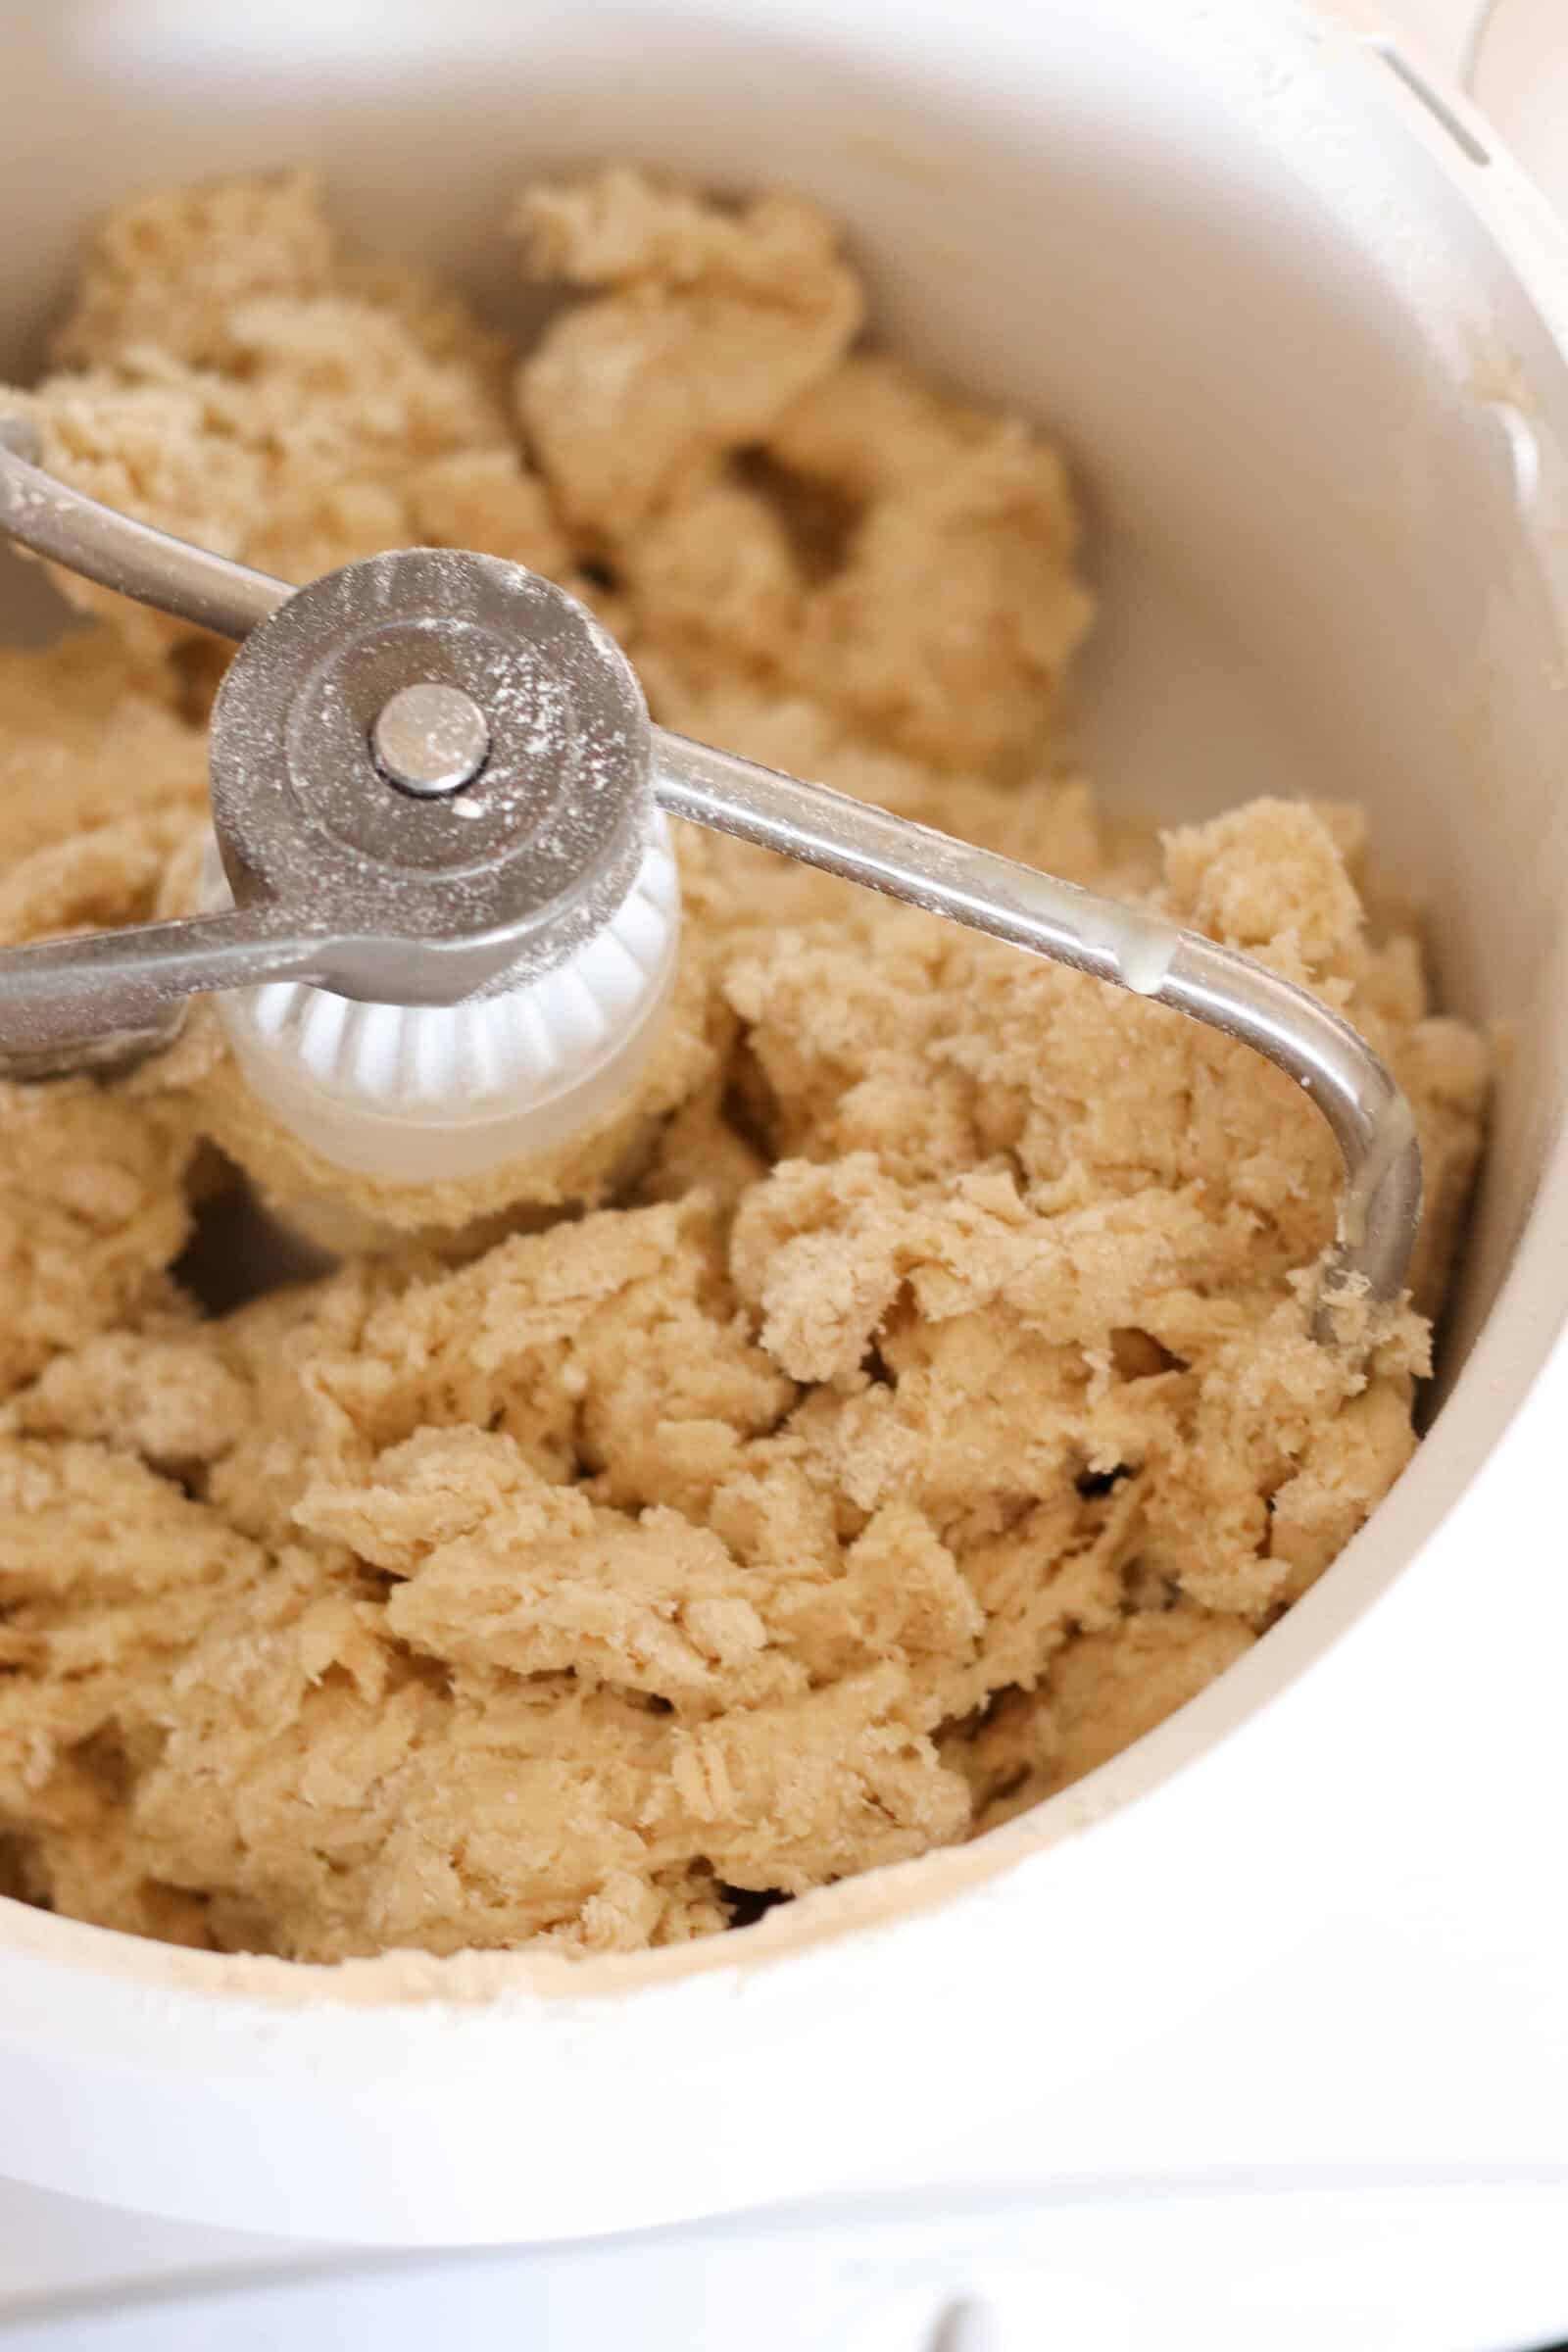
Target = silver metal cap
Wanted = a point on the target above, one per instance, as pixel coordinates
(539, 836)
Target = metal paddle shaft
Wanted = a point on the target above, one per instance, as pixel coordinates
(432, 772)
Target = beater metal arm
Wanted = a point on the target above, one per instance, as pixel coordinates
(81, 1002)
(66, 526)
(1126, 946)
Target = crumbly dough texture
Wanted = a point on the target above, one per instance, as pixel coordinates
(903, 1403)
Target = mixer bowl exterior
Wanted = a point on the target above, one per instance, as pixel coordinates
(1344, 307)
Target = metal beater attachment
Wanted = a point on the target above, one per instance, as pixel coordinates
(435, 785)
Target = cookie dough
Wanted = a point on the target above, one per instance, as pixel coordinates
(900, 1406)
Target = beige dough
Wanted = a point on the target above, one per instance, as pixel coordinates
(903, 1403)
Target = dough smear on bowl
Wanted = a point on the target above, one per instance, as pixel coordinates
(901, 1406)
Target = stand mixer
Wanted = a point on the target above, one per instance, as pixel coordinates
(1257, 2034)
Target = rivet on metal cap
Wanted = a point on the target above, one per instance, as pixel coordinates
(430, 740)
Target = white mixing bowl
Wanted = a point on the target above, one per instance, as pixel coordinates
(1297, 329)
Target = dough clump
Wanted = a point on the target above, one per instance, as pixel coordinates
(902, 1404)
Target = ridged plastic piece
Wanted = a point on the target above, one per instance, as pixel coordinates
(416, 1094)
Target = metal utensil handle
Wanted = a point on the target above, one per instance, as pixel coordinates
(60, 997)
(50, 990)
(66, 526)
(100, 994)
(1127, 946)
